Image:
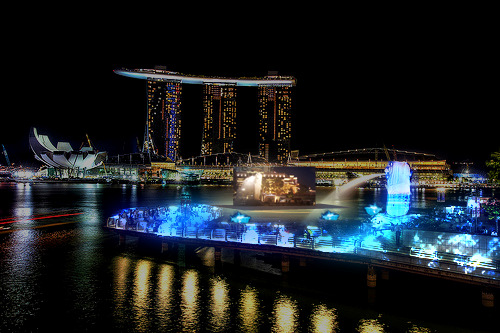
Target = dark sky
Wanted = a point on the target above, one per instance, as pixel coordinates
(426, 87)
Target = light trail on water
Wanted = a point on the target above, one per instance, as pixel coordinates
(6, 220)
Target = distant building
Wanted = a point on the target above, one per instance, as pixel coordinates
(163, 129)
(465, 172)
(275, 123)
(219, 130)
(219, 120)
(63, 156)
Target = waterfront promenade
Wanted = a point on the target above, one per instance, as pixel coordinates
(471, 259)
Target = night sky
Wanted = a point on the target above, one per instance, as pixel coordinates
(427, 88)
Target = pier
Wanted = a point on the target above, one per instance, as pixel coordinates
(379, 261)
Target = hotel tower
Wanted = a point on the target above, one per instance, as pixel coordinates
(275, 123)
(163, 128)
(219, 120)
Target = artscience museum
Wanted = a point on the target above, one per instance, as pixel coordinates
(63, 156)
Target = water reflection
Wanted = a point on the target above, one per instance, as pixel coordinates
(63, 275)
(147, 298)
(249, 310)
(219, 304)
(151, 296)
(165, 293)
(285, 315)
(23, 206)
(370, 326)
(324, 320)
(19, 275)
(418, 329)
(190, 301)
(141, 294)
(121, 269)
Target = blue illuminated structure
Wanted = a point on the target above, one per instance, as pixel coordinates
(165, 220)
(475, 255)
(398, 204)
(240, 218)
(329, 216)
(373, 210)
(398, 188)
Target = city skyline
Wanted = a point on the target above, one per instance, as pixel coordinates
(374, 227)
(163, 131)
(419, 95)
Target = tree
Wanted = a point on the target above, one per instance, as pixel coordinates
(494, 165)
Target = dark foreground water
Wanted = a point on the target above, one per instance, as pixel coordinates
(62, 271)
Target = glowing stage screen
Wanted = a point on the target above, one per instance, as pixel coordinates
(274, 186)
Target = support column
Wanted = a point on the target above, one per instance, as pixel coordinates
(285, 263)
(237, 258)
(122, 239)
(302, 262)
(164, 247)
(487, 298)
(181, 255)
(371, 277)
(218, 257)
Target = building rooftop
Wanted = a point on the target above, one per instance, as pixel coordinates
(162, 74)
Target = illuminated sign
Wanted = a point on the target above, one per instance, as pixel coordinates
(274, 186)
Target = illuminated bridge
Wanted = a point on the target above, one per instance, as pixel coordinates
(333, 168)
(336, 167)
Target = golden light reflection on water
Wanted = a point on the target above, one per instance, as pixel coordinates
(151, 290)
(120, 284)
(418, 329)
(249, 310)
(324, 320)
(165, 291)
(219, 305)
(189, 301)
(285, 315)
(370, 326)
(141, 282)
(141, 293)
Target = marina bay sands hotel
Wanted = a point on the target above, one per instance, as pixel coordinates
(163, 128)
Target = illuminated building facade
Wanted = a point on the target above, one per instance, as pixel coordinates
(275, 125)
(219, 121)
(164, 118)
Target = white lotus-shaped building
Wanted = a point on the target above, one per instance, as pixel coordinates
(63, 156)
